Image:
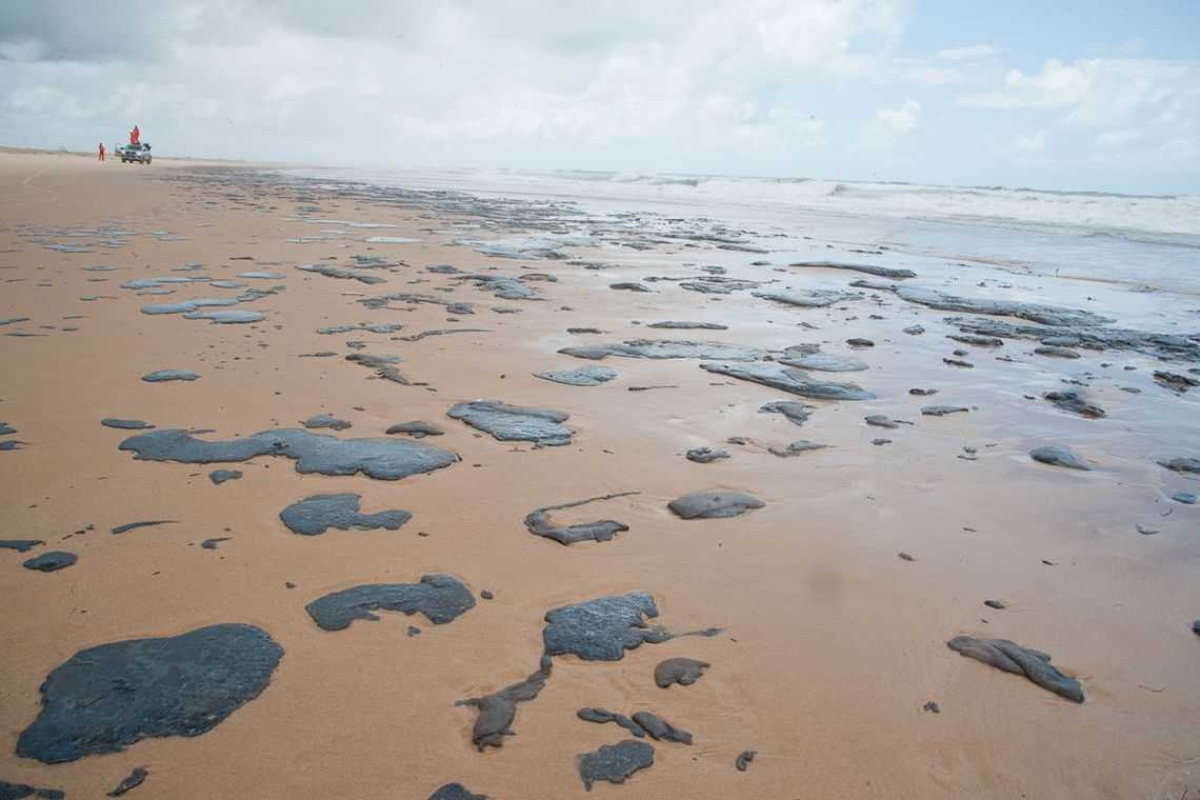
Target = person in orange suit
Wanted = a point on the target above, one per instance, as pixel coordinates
(100, 155)
(135, 135)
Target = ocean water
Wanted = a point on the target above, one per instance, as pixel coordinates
(1145, 244)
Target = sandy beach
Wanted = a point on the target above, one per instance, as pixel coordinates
(831, 643)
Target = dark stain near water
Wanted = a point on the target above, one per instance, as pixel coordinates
(643, 723)
(1174, 381)
(219, 476)
(1089, 333)
(718, 285)
(1058, 456)
(539, 523)
(131, 781)
(714, 505)
(456, 791)
(1054, 316)
(441, 598)
(793, 410)
(382, 459)
(20, 791)
(416, 337)
(162, 375)
(1182, 465)
(789, 379)
(384, 366)
(156, 283)
(314, 515)
(20, 545)
(614, 763)
(188, 306)
(811, 357)
(603, 715)
(326, 421)
(942, 411)
(581, 376)
(105, 698)
(1012, 657)
(656, 349)
(706, 455)
(869, 269)
(602, 629)
(1075, 403)
(661, 730)
(818, 298)
(976, 340)
(125, 424)
(680, 325)
(514, 423)
(51, 561)
(129, 526)
(232, 317)
(504, 288)
(498, 711)
(417, 429)
(330, 271)
(680, 670)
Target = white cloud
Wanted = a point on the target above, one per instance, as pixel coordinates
(674, 85)
(1101, 92)
(901, 120)
(1030, 142)
(974, 52)
(890, 123)
(289, 87)
(914, 70)
(1120, 137)
(521, 83)
(1147, 111)
(1057, 86)
(22, 50)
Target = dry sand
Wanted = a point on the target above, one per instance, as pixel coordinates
(831, 644)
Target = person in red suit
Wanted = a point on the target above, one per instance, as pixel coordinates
(135, 135)
(100, 154)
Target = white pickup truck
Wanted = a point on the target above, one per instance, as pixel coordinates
(137, 153)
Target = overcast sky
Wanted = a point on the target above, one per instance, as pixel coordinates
(1094, 95)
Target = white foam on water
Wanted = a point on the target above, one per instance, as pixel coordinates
(342, 222)
(1145, 242)
(1094, 212)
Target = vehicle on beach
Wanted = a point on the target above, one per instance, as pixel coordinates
(137, 153)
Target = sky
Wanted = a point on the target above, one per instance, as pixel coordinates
(1076, 96)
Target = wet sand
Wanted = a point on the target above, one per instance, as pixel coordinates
(831, 643)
